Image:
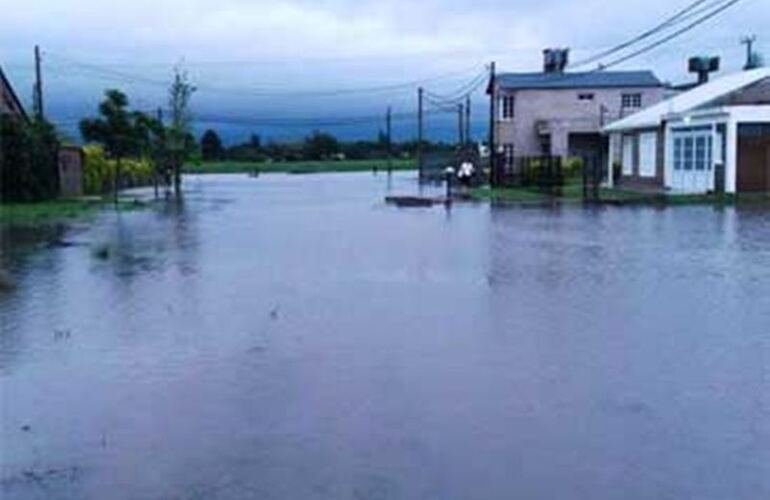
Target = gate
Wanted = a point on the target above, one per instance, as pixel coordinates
(593, 175)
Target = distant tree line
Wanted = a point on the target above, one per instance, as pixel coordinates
(316, 146)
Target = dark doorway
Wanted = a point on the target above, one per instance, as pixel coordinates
(588, 145)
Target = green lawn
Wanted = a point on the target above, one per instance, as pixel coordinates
(296, 167)
(45, 212)
(573, 192)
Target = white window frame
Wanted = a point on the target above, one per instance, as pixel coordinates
(507, 107)
(631, 100)
(693, 149)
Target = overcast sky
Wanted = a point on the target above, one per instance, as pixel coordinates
(288, 45)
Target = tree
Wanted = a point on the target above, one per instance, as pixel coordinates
(152, 134)
(116, 130)
(320, 145)
(178, 138)
(211, 146)
(29, 168)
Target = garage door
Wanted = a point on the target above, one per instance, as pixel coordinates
(753, 159)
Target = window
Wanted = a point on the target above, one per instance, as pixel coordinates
(507, 105)
(688, 153)
(700, 153)
(678, 149)
(508, 152)
(545, 144)
(631, 101)
(585, 97)
(693, 149)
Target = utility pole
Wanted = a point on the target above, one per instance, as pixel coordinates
(419, 131)
(38, 85)
(492, 98)
(389, 140)
(460, 124)
(468, 118)
(748, 41)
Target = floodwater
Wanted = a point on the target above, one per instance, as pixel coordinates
(292, 337)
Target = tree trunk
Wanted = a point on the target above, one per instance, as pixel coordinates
(117, 179)
(177, 177)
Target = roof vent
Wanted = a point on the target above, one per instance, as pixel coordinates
(703, 66)
(555, 60)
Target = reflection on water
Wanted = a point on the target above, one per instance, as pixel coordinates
(293, 337)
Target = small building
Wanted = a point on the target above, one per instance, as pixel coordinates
(561, 113)
(713, 138)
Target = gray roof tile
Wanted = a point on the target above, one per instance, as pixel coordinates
(590, 79)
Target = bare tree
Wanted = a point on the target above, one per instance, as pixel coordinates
(180, 141)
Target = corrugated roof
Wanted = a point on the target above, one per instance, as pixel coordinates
(687, 101)
(590, 79)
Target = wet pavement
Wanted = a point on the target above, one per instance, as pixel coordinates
(293, 337)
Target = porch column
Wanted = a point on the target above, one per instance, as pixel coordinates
(731, 156)
(610, 160)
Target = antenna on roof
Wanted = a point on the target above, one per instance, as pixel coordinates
(752, 61)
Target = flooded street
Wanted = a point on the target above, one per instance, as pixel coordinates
(292, 337)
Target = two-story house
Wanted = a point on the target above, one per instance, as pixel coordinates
(561, 113)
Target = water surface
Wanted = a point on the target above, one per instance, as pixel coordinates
(292, 337)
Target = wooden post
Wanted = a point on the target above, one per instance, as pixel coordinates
(460, 125)
(38, 85)
(468, 118)
(419, 131)
(492, 154)
(389, 144)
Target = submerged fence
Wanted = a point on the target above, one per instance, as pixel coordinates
(543, 172)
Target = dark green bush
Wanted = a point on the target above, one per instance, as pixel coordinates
(28, 160)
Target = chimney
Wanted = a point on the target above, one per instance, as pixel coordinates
(555, 60)
(703, 66)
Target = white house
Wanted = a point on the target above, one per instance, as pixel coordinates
(715, 137)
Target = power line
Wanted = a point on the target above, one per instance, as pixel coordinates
(671, 36)
(98, 70)
(668, 22)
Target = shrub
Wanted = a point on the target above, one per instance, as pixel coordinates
(99, 171)
(28, 160)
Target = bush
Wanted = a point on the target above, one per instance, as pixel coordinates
(28, 160)
(99, 172)
(573, 168)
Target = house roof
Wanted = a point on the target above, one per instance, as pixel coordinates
(687, 101)
(589, 79)
(9, 88)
